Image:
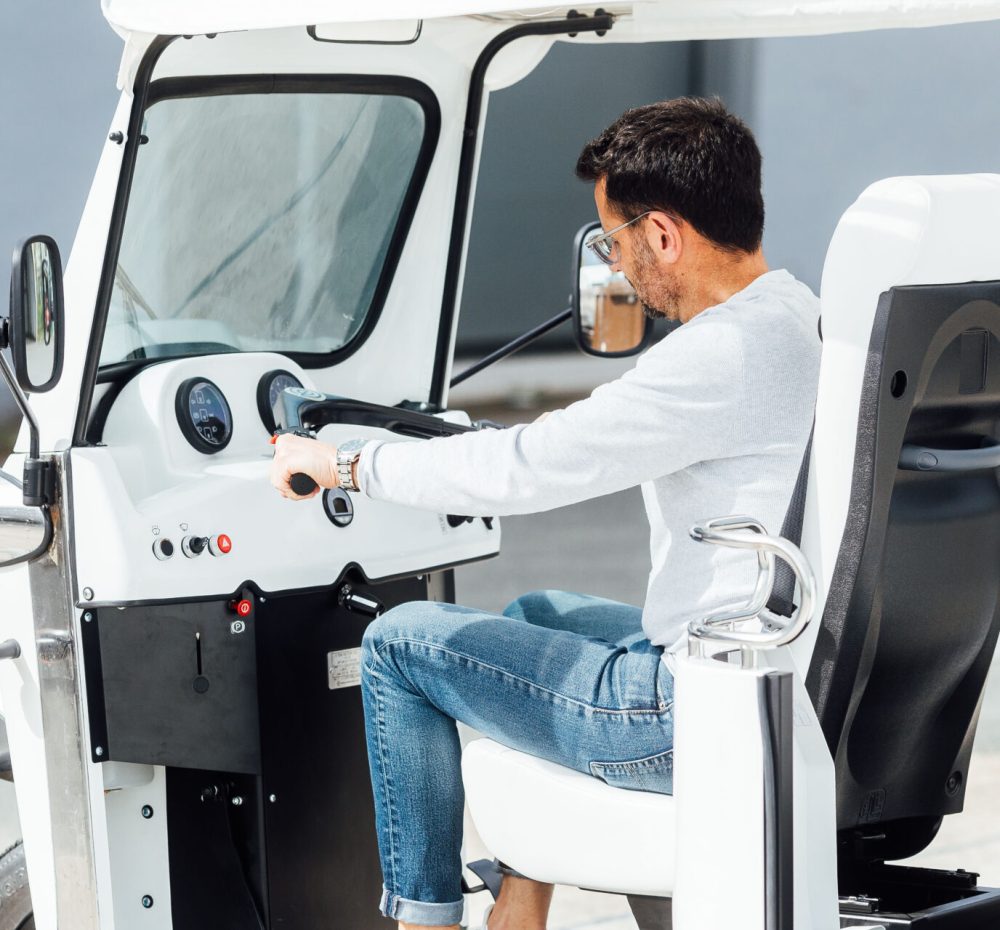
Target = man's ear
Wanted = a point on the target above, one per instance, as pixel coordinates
(663, 233)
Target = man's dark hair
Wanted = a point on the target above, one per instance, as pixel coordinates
(689, 157)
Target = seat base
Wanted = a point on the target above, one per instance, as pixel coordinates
(527, 811)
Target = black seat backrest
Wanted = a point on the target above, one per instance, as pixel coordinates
(913, 611)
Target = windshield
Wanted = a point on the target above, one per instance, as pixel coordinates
(260, 221)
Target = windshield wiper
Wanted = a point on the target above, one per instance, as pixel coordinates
(132, 296)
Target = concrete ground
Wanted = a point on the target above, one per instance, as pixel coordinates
(601, 547)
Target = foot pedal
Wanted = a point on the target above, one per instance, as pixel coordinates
(487, 872)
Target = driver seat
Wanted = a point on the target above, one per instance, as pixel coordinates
(902, 527)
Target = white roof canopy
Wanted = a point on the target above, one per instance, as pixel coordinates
(660, 19)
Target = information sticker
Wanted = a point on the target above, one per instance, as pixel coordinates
(344, 668)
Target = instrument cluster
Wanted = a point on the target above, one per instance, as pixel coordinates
(205, 418)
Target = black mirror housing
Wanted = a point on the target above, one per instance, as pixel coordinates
(35, 325)
(633, 330)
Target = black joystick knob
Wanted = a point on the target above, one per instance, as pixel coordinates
(197, 544)
(301, 484)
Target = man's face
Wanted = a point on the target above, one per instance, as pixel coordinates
(655, 279)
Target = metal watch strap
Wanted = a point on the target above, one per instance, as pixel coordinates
(346, 460)
(344, 477)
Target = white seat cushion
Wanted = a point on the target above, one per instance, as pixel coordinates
(557, 825)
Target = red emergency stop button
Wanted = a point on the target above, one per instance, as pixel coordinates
(242, 607)
(220, 545)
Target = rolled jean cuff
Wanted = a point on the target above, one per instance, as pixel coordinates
(421, 912)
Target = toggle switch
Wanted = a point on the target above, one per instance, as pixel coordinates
(220, 545)
(193, 546)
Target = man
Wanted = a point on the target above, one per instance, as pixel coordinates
(712, 420)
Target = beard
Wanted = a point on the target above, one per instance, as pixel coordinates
(659, 295)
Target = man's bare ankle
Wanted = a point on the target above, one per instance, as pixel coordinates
(506, 920)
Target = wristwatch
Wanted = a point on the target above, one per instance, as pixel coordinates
(348, 454)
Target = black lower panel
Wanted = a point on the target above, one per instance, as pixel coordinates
(293, 848)
(323, 868)
(216, 869)
(173, 684)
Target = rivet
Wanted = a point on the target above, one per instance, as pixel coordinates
(272, 798)
(237, 801)
(147, 811)
(147, 901)
(98, 751)
(117, 137)
(88, 594)
(87, 617)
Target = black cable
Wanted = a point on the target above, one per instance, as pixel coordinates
(242, 867)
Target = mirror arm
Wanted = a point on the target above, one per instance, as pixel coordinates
(22, 403)
(530, 336)
(39, 486)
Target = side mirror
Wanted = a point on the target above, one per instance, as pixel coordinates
(35, 327)
(608, 319)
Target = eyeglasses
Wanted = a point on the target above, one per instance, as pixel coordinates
(605, 246)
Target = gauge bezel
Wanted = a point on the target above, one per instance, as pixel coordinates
(264, 396)
(187, 427)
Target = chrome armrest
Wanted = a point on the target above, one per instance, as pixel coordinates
(738, 532)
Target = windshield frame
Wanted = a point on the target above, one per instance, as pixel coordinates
(149, 92)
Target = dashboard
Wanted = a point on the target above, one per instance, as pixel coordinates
(176, 502)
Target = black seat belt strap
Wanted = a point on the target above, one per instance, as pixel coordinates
(783, 592)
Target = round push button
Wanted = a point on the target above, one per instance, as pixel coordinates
(243, 607)
(163, 549)
(220, 545)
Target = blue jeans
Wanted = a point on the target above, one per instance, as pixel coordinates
(567, 677)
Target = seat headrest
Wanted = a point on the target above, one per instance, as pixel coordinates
(934, 229)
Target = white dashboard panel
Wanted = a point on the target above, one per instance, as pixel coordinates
(147, 482)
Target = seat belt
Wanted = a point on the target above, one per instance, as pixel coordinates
(782, 594)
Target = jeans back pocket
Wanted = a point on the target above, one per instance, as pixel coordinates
(651, 773)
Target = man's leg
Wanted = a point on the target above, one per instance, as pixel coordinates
(524, 902)
(573, 699)
(585, 614)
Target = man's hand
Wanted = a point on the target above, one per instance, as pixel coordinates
(293, 454)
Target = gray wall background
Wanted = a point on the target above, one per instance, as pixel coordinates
(58, 63)
(529, 204)
(831, 114)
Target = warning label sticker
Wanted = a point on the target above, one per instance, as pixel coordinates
(344, 668)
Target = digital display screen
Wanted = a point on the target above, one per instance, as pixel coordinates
(209, 413)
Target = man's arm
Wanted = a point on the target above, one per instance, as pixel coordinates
(678, 406)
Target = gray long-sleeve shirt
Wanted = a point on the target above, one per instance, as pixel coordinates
(712, 420)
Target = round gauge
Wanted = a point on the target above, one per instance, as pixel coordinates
(203, 415)
(269, 390)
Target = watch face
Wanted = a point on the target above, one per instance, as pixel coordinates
(352, 445)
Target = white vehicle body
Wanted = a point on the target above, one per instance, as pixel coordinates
(92, 859)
